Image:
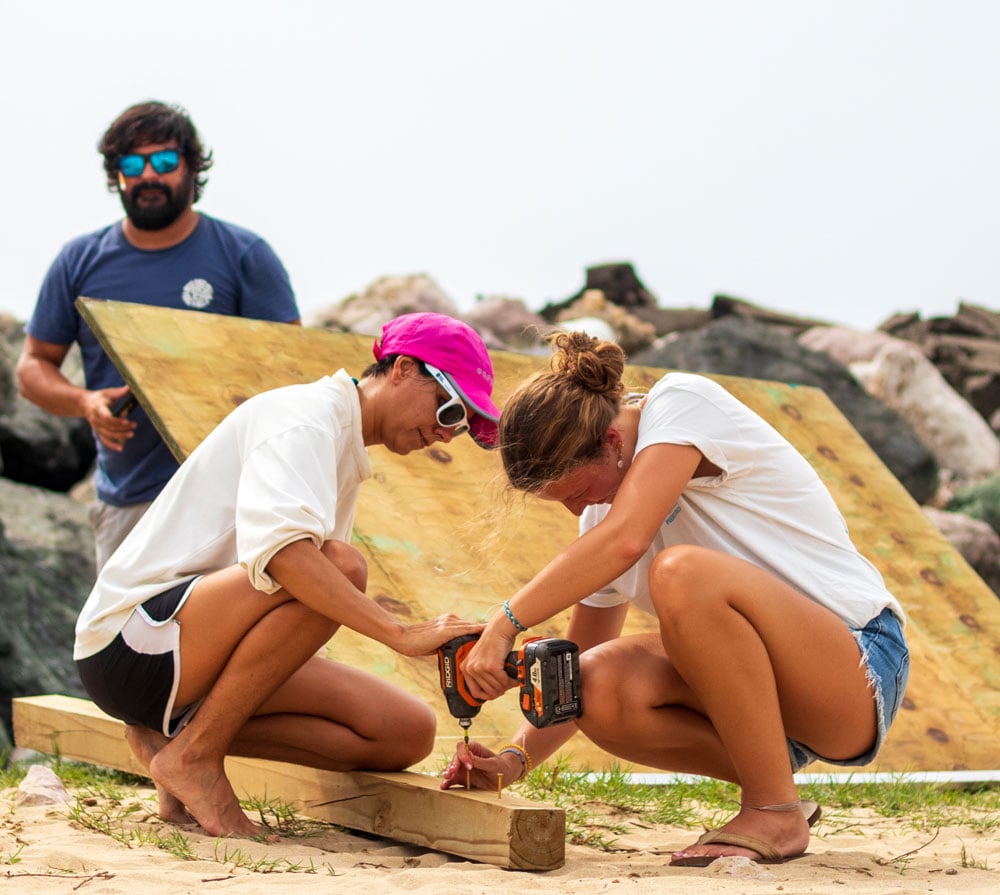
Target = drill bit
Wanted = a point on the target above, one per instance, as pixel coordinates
(465, 724)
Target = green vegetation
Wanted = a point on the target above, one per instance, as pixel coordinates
(593, 801)
(106, 801)
(106, 808)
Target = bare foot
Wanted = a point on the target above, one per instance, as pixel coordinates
(204, 788)
(787, 832)
(145, 743)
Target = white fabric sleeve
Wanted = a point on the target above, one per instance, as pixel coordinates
(680, 410)
(287, 492)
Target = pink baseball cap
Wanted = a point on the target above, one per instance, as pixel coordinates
(456, 349)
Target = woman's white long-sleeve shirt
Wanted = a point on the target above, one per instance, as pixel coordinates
(285, 465)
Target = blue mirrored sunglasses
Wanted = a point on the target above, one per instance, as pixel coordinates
(163, 161)
(452, 414)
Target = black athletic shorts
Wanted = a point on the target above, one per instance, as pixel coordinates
(134, 678)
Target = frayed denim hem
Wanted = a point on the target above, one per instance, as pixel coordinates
(887, 666)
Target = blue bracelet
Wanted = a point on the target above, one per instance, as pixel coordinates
(510, 615)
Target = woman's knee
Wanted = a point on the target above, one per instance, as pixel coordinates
(603, 687)
(349, 560)
(677, 578)
(409, 737)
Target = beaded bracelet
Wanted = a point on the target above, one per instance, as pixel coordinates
(522, 754)
(510, 615)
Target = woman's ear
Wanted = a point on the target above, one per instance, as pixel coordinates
(403, 367)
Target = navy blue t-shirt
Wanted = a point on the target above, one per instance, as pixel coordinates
(219, 268)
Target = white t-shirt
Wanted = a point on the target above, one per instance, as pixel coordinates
(767, 506)
(285, 465)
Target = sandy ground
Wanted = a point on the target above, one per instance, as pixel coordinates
(43, 850)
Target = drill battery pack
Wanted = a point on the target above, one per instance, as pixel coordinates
(548, 672)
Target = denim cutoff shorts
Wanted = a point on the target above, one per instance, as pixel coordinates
(887, 662)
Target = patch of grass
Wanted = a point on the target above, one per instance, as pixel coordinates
(924, 806)
(234, 856)
(103, 810)
(107, 807)
(282, 819)
(72, 773)
(589, 798)
(966, 860)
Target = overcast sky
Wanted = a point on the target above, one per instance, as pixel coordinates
(832, 159)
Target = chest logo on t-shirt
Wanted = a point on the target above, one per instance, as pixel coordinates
(673, 514)
(197, 293)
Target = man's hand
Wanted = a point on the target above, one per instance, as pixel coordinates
(113, 431)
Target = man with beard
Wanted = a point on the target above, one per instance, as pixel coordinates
(163, 253)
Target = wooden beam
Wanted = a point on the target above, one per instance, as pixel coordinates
(510, 832)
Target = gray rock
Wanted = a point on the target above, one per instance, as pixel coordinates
(745, 347)
(46, 572)
(40, 449)
(978, 543)
(387, 297)
(507, 323)
(619, 283)
(41, 786)
(965, 348)
(36, 447)
(902, 378)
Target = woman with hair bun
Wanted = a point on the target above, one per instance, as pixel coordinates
(778, 643)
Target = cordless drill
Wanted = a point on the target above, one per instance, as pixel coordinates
(546, 668)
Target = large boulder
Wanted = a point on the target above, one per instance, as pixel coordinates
(619, 283)
(965, 348)
(41, 449)
(845, 345)
(36, 447)
(507, 323)
(730, 306)
(387, 297)
(741, 346)
(47, 563)
(900, 375)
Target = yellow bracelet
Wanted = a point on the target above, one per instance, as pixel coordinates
(521, 753)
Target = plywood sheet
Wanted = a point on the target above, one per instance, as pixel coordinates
(439, 538)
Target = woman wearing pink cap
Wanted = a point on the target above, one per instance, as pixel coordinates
(248, 547)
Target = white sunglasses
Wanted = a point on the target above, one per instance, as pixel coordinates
(452, 414)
